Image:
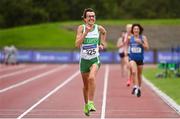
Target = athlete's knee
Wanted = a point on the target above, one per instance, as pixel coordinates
(133, 70)
(133, 73)
(91, 78)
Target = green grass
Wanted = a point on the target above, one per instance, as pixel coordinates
(38, 36)
(170, 86)
(55, 36)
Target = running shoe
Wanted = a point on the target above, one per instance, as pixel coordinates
(91, 106)
(128, 83)
(133, 90)
(86, 110)
(139, 93)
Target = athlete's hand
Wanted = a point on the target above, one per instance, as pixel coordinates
(102, 47)
(88, 28)
(139, 41)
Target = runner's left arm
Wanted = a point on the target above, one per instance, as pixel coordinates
(103, 33)
(145, 43)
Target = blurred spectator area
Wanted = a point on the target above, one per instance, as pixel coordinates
(159, 37)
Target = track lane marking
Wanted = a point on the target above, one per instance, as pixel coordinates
(49, 94)
(103, 111)
(13, 67)
(22, 71)
(32, 78)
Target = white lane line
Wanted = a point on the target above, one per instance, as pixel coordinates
(12, 67)
(49, 94)
(103, 111)
(23, 71)
(32, 79)
(169, 101)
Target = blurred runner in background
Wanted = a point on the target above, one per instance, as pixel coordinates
(137, 44)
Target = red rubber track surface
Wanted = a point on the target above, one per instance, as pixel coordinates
(67, 101)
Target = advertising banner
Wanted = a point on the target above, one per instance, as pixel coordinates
(53, 57)
(166, 56)
(25, 56)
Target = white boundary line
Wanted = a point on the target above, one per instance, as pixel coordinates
(23, 71)
(32, 79)
(103, 111)
(169, 101)
(49, 94)
(11, 68)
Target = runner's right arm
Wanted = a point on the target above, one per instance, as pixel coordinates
(81, 35)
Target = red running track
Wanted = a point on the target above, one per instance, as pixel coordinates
(55, 91)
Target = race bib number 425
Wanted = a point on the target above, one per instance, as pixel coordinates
(89, 51)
